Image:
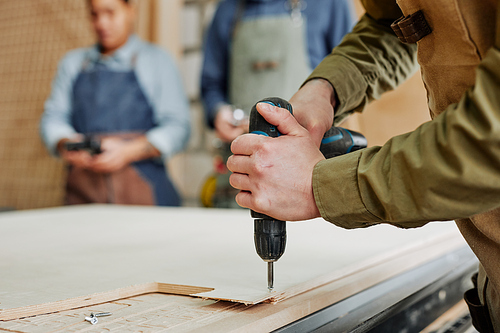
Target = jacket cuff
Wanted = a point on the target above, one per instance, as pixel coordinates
(349, 83)
(336, 192)
(160, 142)
(53, 139)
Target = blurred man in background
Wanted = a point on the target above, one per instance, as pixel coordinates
(128, 95)
(261, 48)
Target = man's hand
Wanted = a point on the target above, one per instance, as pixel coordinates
(225, 128)
(118, 153)
(313, 107)
(275, 174)
(115, 156)
(79, 159)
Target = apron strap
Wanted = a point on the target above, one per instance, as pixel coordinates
(86, 62)
(237, 17)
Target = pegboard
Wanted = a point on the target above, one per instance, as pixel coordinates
(34, 35)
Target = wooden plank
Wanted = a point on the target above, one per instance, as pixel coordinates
(266, 319)
(57, 259)
(163, 313)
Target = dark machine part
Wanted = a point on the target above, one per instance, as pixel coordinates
(93, 146)
(269, 233)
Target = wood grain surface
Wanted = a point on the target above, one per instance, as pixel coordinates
(58, 259)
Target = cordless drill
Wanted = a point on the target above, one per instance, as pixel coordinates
(269, 233)
(90, 144)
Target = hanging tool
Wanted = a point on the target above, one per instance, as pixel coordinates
(269, 233)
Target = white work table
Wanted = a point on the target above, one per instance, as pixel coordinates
(58, 265)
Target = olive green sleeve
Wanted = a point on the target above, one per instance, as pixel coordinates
(446, 169)
(369, 61)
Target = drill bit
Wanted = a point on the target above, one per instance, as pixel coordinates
(270, 276)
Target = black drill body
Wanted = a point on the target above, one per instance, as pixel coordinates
(93, 146)
(269, 233)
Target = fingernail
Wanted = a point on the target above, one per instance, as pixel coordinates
(266, 107)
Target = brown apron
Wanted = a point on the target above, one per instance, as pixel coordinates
(124, 187)
(462, 33)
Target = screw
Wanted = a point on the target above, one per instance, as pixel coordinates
(102, 314)
(93, 317)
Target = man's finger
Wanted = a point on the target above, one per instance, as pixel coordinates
(246, 144)
(100, 163)
(244, 199)
(282, 119)
(239, 164)
(240, 181)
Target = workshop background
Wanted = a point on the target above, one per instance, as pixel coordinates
(35, 34)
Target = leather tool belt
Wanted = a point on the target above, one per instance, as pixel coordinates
(479, 312)
(412, 28)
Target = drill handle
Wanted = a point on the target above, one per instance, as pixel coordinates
(90, 144)
(259, 125)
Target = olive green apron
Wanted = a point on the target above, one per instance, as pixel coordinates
(268, 58)
(462, 33)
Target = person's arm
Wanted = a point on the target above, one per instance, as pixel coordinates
(171, 109)
(55, 124)
(445, 169)
(369, 61)
(214, 76)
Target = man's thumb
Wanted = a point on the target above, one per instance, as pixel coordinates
(281, 118)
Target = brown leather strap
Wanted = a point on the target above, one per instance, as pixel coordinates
(480, 314)
(240, 10)
(412, 28)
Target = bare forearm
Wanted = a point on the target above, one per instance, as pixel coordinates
(140, 149)
(314, 106)
(324, 89)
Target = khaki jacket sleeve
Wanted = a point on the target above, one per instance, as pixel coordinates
(446, 169)
(369, 61)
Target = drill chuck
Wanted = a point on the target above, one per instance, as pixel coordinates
(270, 238)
